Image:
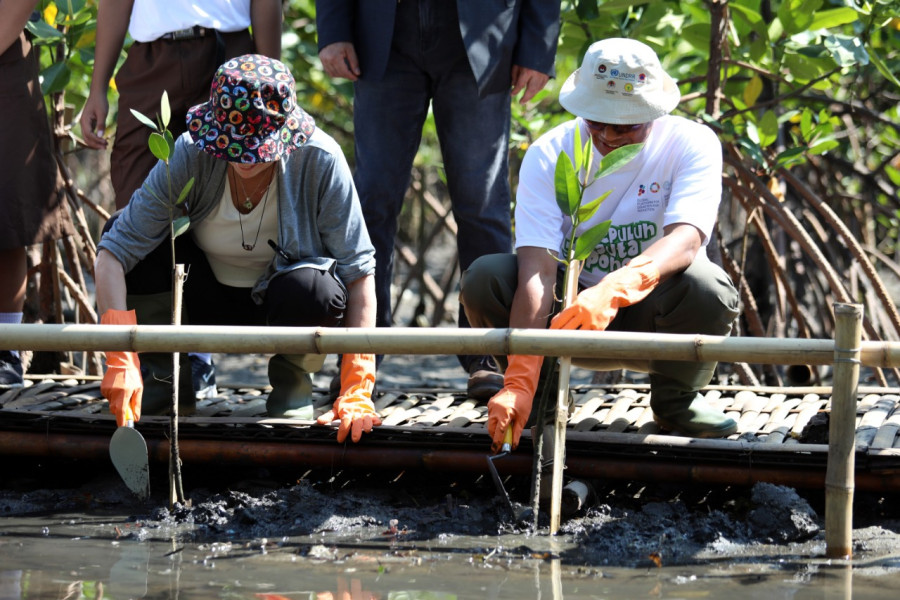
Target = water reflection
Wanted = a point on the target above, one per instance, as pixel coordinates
(87, 559)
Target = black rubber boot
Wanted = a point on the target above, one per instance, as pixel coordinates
(291, 378)
(156, 367)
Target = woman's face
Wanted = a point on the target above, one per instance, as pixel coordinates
(607, 137)
(246, 171)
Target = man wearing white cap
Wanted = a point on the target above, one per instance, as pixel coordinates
(650, 273)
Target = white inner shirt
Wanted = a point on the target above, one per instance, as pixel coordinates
(219, 236)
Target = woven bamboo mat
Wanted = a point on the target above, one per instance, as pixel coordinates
(764, 415)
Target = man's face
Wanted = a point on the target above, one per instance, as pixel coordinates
(607, 137)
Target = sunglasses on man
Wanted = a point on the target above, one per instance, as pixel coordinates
(619, 129)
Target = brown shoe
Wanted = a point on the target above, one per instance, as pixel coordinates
(483, 384)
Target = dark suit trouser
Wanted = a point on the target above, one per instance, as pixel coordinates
(428, 66)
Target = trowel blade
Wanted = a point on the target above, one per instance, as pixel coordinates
(128, 452)
(499, 484)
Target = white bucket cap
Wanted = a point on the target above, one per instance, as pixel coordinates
(620, 82)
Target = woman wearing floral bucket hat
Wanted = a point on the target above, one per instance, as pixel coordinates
(276, 237)
(650, 273)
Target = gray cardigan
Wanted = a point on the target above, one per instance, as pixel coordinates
(320, 222)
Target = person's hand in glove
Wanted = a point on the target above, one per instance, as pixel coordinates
(596, 306)
(354, 406)
(122, 384)
(510, 407)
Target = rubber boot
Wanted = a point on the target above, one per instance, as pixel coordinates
(291, 378)
(156, 367)
(677, 404)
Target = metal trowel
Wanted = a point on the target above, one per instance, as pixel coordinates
(128, 452)
(504, 450)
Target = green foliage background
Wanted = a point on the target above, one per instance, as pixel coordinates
(803, 93)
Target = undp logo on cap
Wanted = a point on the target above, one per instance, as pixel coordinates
(614, 73)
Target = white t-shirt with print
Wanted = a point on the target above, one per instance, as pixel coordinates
(676, 178)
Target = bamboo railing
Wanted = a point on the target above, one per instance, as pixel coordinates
(847, 353)
(416, 340)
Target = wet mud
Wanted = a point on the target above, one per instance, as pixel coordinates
(627, 524)
(73, 525)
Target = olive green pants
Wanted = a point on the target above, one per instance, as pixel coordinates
(701, 300)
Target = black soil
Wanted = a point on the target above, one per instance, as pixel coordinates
(628, 524)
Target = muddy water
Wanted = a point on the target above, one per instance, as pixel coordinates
(405, 536)
(81, 556)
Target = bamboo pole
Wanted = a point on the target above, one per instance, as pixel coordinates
(842, 432)
(443, 340)
(176, 488)
(561, 415)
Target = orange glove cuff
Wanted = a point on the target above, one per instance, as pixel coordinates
(596, 307)
(122, 384)
(636, 280)
(118, 317)
(510, 407)
(357, 373)
(523, 373)
(354, 407)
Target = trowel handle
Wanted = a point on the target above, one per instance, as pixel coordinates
(128, 414)
(507, 440)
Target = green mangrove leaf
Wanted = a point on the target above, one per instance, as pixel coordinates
(834, 17)
(617, 159)
(586, 211)
(882, 68)
(796, 15)
(824, 146)
(697, 35)
(806, 125)
(802, 67)
(846, 50)
(165, 111)
(587, 241)
(752, 90)
(145, 120)
(752, 149)
(587, 10)
(43, 32)
(55, 78)
(790, 156)
(69, 7)
(579, 150)
(170, 141)
(180, 225)
(158, 146)
(185, 191)
(568, 194)
(768, 129)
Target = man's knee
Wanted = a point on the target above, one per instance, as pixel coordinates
(706, 292)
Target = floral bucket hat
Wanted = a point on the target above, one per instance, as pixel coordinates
(252, 114)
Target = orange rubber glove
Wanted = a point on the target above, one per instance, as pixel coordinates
(596, 306)
(122, 384)
(354, 406)
(511, 406)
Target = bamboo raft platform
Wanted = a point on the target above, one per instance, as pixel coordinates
(781, 438)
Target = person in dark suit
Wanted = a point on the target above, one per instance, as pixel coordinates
(464, 59)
